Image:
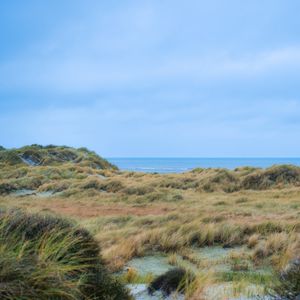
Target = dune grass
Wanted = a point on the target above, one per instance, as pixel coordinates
(43, 257)
(37, 155)
(131, 214)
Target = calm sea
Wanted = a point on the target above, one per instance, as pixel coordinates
(176, 165)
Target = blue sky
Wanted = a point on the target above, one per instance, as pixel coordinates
(152, 78)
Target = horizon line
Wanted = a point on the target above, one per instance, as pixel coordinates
(207, 157)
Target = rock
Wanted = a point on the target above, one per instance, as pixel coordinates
(169, 282)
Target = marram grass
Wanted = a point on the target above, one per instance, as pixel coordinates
(46, 258)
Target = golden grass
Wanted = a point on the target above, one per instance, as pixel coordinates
(127, 226)
(131, 214)
(253, 240)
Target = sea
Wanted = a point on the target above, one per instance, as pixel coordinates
(184, 164)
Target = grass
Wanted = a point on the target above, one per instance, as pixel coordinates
(253, 240)
(287, 286)
(132, 276)
(130, 214)
(254, 278)
(52, 155)
(43, 257)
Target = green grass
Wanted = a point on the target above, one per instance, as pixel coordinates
(250, 277)
(43, 257)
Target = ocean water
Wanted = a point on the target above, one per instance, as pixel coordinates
(177, 165)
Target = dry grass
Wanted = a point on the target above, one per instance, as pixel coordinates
(129, 224)
(134, 213)
(253, 240)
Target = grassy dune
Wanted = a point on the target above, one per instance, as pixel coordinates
(43, 257)
(131, 214)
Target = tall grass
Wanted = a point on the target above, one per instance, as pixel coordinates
(287, 286)
(131, 214)
(47, 258)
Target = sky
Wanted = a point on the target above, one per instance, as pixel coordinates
(159, 78)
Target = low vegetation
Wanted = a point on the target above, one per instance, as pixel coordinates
(131, 214)
(287, 285)
(43, 257)
(37, 155)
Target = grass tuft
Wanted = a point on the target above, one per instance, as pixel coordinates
(43, 257)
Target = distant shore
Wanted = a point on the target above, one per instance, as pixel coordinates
(184, 164)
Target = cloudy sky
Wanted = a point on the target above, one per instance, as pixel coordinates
(152, 78)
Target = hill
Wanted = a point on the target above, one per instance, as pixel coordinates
(37, 155)
(80, 171)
